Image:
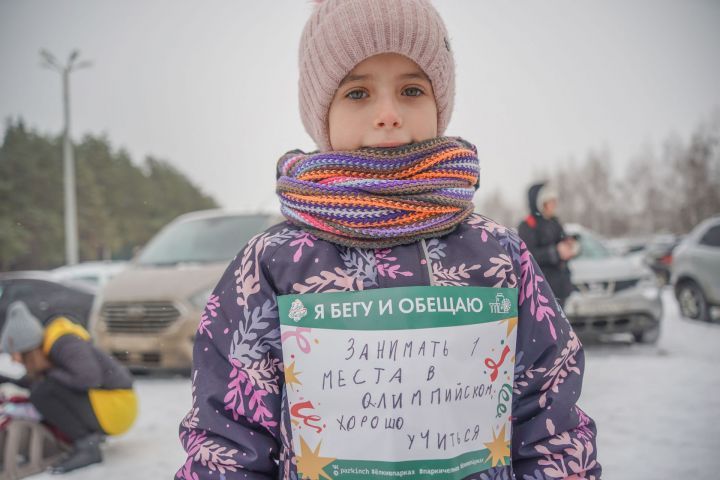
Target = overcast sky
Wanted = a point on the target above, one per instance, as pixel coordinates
(211, 86)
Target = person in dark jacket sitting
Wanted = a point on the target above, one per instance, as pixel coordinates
(78, 389)
(545, 237)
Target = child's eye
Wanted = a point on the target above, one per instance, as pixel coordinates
(413, 92)
(356, 94)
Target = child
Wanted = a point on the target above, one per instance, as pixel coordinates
(384, 330)
(79, 390)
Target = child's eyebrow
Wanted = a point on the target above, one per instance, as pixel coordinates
(353, 78)
(419, 75)
(415, 76)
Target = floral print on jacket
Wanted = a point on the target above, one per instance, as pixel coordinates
(238, 426)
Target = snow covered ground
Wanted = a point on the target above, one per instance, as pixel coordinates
(657, 409)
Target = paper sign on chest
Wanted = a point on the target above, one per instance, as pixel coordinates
(400, 382)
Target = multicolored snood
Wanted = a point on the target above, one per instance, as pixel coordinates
(380, 197)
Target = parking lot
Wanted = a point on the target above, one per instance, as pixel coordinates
(656, 409)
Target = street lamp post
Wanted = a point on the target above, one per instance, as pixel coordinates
(71, 228)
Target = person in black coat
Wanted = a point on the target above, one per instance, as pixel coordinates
(546, 239)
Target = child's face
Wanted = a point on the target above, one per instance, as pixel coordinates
(385, 101)
(34, 361)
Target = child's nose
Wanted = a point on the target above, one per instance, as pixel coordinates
(388, 115)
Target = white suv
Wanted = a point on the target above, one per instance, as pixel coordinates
(613, 294)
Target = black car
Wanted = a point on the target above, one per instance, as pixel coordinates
(46, 296)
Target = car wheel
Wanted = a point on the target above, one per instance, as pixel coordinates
(649, 336)
(692, 302)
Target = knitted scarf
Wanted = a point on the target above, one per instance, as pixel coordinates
(380, 197)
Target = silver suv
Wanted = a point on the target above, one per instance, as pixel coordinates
(613, 294)
(696, 270)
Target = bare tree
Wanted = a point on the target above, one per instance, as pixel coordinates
(496, 207)
(671, 192)
(697, 178)
(587, 192)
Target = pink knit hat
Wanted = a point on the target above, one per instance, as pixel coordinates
(342, 33)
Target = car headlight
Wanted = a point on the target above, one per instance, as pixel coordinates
(200, 299)
(648, 281)
(94, 318)
(649, 287)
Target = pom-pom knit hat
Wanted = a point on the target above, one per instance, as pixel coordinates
(342, 33)
(22, 331)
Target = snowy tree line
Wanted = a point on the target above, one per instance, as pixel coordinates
(667, 191)
(120, 204)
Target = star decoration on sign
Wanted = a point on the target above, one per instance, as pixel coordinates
(310, 464)
(512, 323)
(291, 376)
(499, 448)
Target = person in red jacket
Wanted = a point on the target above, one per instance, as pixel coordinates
(545, 237)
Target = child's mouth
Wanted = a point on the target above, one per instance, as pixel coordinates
(389, 144)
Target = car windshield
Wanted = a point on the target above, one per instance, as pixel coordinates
(205, 240)
(591, 247)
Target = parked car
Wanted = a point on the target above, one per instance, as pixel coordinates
(655, 251)
(659, 255)
(149, 312)
(626, 245)
(95, 273)
(696, 270)
(46, 296)
(613, 293)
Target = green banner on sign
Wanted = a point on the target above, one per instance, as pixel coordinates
(399, 308)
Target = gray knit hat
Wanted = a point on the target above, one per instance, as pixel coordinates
(547, 192)
(342, 33)
(22, 331)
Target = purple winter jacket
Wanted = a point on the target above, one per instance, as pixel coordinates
(238, 427)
